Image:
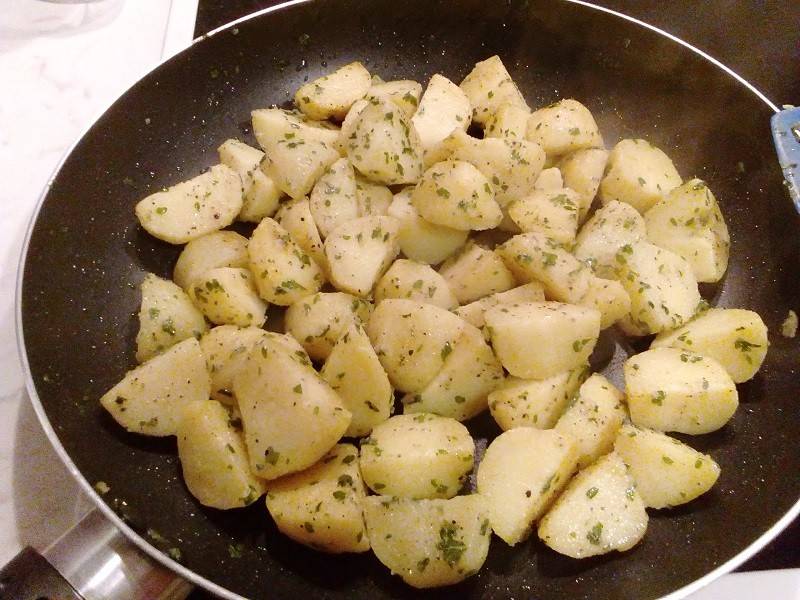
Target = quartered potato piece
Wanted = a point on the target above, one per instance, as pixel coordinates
(193, 208)
(373, 199)
(211, 251)
(443, 108)
(331, 96)
(473, 312)
(476, 272)
(404, 93)
(549, 179)
(611, 227)
(429, 543)
(610, 298)
(321, 507)
(261, 195)
(488, 86)
(565, 126)
(296, 218)
(582, 171)
(509, 121)
(150, 398)
(415, 281)
(333, 200)
(228, 296)
(552, 213)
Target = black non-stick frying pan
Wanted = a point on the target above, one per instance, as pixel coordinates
(86, 256)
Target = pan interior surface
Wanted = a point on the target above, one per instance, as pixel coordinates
(87, 256)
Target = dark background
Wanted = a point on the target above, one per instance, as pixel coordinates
(758, 39)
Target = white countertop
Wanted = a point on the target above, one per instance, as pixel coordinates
(61, 65)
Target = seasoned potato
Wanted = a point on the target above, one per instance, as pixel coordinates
(318, 321)
(599, 512)
(415, 281)
(610, 228)
(261, 195)
(610, 298)
(582, 171)
(193, 208)
(521, 473)
(476, 272)
(296, 218)
(509, 121)
(404, 93)
(688, 222)
(455, 194)
(593, 418)
(373, 199)
(534, 402)
(460, 389)
(331, 96)
(417, 456)
(333, 200)
(535, 257)
(473, 312)
(297, 152)
(638, 173)
(552, 213)
(149, 398)
(488, 86)
(565, 126)
(347, 132)
(384, 146)
(284, 273)
(291, 416)
(229, 296)
(353, 370)
(166, 317)
(536, 340)
(213, 458)
(735, 338)
(429, 543)
(443, 108)
(662, 289)
(413, 339)
(667, 472)
(549, 179)
(360, 251)
(677, 390)
(211, 251)
(321, 507)
(420, 240)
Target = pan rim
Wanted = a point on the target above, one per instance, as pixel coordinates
(758, 544)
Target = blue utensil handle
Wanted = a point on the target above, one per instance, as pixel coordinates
(786, 133)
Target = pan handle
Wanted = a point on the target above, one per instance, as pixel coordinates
(92, 561)
(786, 133)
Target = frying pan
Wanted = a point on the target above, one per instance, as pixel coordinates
(86, 256)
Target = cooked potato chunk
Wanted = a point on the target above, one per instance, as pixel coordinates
(321, 506)
(333, 200)
(476, 272)
(284, 273)
(413, 339)
(667, 472)
(229, 296)
(610, 228)
(582, 171)
(347, 132)
(460, 389)
(149, 398)
(384, 146)
(549, 179)
(638, 173)
(415, 281)
(211, 251)
(677, 390)
(443, 108)
(660, 284)
(297, 152)
(213, 458)
(429, 543)
(291, 416)
(373, 199)
(488, 86)
(565, 126)
(534, 402)
(473, 312)
(404, 93)
(735, 338)
(610, 298)
(331, 96)
(166, 317)
(420, 240)
(535, 257)
(553, 213)
(360, 251)
(318, 321)
(417, 456)
(599, 511)
(593, 418)
(508, 121)
(261, 195)
(536, 340)
(296, 218)
(193, 208)
(688, 222)
(522, 471)
(354, 371)
(455, 194)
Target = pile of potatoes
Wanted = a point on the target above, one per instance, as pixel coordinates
(457, 274)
